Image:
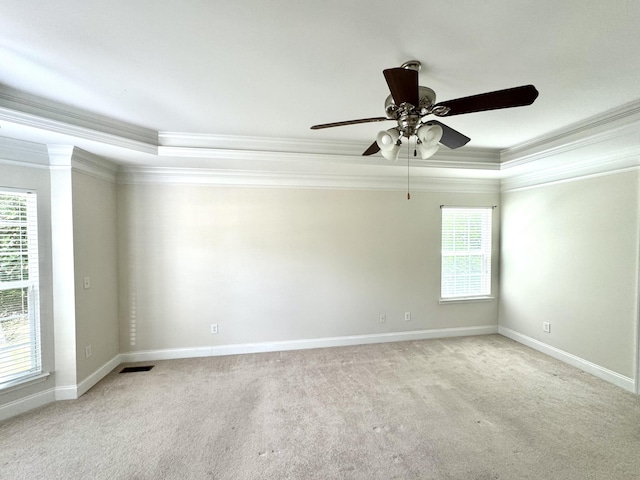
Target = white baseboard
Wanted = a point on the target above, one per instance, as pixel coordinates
(165, 354)
(25, 404)
(573, 360)
(66, 392)
(98, 375)
(262, 347)
(72, 392)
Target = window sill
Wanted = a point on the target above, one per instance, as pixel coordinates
(23, 382)
(466, 300)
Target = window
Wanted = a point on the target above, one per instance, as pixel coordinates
(19, 312)
(466, 252)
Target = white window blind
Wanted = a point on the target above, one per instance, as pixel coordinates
(19, 304)
(466, 252)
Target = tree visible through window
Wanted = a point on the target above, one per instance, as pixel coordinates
(466, 252)
(19, 318)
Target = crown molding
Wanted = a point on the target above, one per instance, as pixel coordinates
(601, 145)
(79, 160)
(617, 162)
(239, 178)
(93, 166)
(198, 145)
(608, 142)
(611, 124)
(31, 111)
(19, 152)
(197, 141)
(269, 150)
(457, 161)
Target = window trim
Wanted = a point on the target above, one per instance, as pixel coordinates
(36, 373)
(22, 382)
(466, 298)
(479, 298)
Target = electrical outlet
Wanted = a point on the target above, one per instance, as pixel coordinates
(546, 327)
(87, 351)
(407, 316)
(214, 328)
(383, 317)
(86, 283)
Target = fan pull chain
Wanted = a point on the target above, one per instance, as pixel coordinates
(408, 158)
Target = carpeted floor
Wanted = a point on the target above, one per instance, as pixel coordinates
(481, 408)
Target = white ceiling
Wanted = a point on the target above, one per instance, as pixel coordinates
(273, 69)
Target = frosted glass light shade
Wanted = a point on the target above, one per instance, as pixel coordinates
(426, 152)
(387, 140)
(428, 136)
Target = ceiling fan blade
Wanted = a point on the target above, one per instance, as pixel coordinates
(450, 138)
(511, 97)
(350, 122)
(373, 148)
(403, 84)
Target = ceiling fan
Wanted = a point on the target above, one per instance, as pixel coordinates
(410, 103)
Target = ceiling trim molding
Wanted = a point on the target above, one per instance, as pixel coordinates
(611, 124)
(29, 110)
(78, 160)
(13, 151)
(471, 159)
(93, 166)
(196, 144)
(72, 130)
(608, 143)
(507, 188)
(618, 161)
(60, 155)
(264, 144)
(239, 178)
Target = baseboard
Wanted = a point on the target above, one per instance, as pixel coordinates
(98, 375)
(263, 347)
(72, 392)
(165, 354)
(25, 404)
(66, 392)
(573, 360)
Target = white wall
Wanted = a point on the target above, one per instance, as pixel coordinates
(24, 165)
(570, 257)
(278, 264)
(96, 257)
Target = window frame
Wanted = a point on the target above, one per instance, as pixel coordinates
(32, 285)
(485, 290)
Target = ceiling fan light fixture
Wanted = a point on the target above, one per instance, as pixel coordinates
(428, 138)
(429, 134)
(391, 155)
(426, 152)
(389, 143)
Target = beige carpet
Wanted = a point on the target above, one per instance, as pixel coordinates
(463, 408)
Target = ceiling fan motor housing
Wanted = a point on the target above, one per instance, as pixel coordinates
(427, 99)
(408, 116)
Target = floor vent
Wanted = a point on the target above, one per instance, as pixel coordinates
(145, 368)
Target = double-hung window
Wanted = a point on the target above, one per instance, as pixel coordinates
(466, 252)
(19, 304)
